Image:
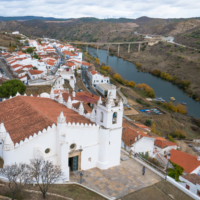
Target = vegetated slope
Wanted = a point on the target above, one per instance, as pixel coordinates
(7, 39)
(189, 38)
(88, 31)
(169, 58)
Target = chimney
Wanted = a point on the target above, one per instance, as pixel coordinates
(198, 158)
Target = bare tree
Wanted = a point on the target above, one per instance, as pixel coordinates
(44, 173)
(18, 176)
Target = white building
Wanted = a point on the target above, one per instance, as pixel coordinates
(105, 89)
(67, 74)
(54, 131)
(191, 182)
(96, 78)
(54, 81)
(15, 33)
(137, 141)
(35, 74)
(164, 146)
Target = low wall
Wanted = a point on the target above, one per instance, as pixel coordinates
(179, 186)
(169, 179)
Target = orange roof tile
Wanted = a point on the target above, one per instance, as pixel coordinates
(23, 115)
(32, 71)
(16, 65)
(129, 135)
(185, 160)
(161, 142)
(93, 72)
(193, 178)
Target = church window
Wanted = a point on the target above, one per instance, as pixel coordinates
(72, 146)
(114, 121)
(47, 150)
(101, 116)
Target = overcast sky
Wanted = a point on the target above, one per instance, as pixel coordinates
(101, 9)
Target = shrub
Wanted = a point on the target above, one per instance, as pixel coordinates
(169, 45)
(196, 121)
(181, 108)
(148, 122)
(194, 128)
(118, 78)
(178, 133)
(169, 53)
(138, 65)
(97, 61)
(176, 172)
(170, 138)
(148, 90)
(156, 72)
(131, 84)
(106, 68)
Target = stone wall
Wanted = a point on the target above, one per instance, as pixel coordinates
(37, 89)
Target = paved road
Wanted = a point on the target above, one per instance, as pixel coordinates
(87, 82)
(5, 69)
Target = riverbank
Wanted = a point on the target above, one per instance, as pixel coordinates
(179, 62)
(165, 124)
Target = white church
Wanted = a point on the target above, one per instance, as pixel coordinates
(50, 128)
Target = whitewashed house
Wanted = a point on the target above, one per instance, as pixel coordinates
(191, 182)
(164, 146)
(53, 130)
(96, 78)
(35, 74)
(137, 141)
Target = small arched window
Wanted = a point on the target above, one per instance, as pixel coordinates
(101, 117)
(114, 118)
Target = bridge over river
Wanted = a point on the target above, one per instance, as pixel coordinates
(97, 44)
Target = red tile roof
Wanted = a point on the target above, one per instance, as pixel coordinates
(69, 53)
(93, 72)
(87, 109)
(32, 71)
(70, 64)
(129, 135)
(193, 178)
(85, 63)
(16, 65)
(185, 160)
(161, 142)
(23, 115)
(82, 96)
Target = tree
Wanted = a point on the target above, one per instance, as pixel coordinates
(44, 173)
(148, 122)
(18, 176)
(131, 84)
(29, 50)
(11, 87)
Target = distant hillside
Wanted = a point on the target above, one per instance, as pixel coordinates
(112, 30)
(25, 18)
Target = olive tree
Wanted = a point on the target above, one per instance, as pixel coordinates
(18, 176)
(44, 174)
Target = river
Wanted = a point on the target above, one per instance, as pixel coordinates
(161, 87)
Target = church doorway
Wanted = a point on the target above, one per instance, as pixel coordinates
(73, 163)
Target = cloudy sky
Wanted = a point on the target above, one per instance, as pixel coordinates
(101, 9)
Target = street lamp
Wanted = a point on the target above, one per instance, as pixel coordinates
(168, 157)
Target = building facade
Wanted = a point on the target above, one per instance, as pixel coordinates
(54, 130)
